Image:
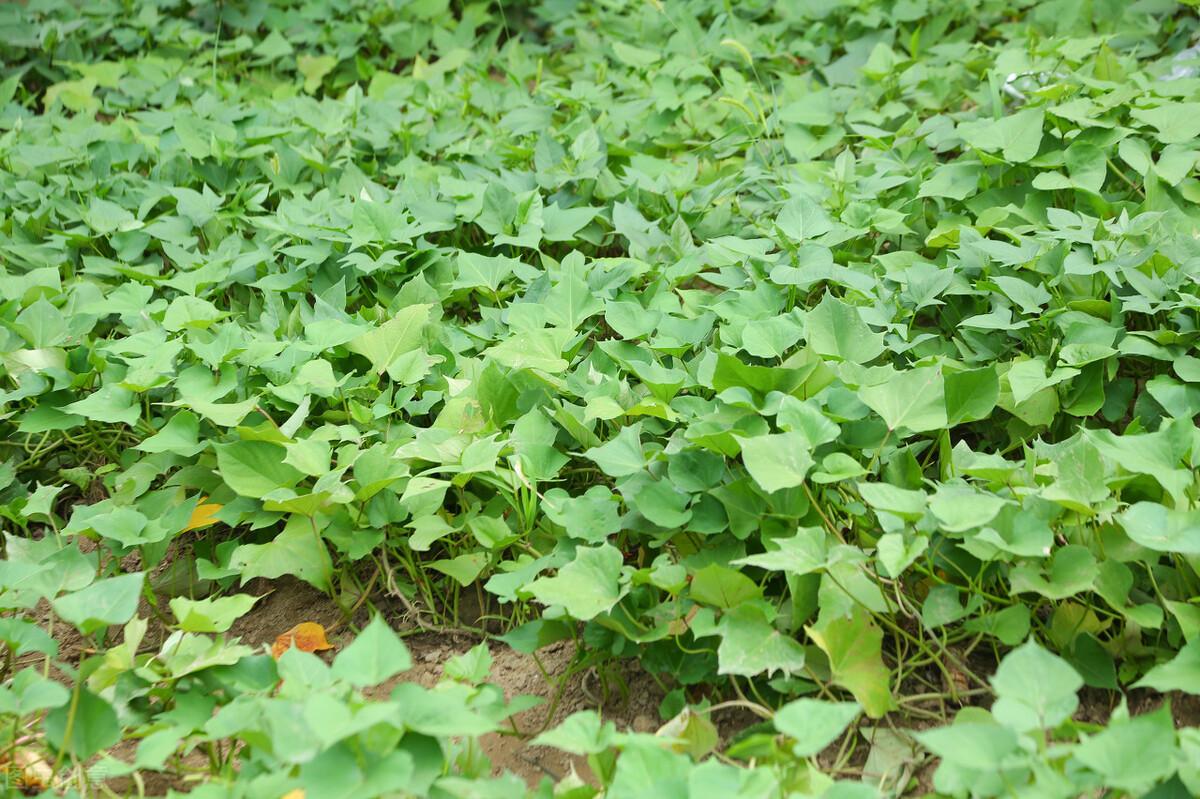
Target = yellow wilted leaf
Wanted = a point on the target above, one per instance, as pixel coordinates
(307, 636)
(28, 771)
(204, 515)
(295, 793)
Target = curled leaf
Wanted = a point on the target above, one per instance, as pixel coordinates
(307, 636)
(204, 515)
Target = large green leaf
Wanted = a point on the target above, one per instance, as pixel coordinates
(298, 550)
(1035, 689)
(914, 400)
(836, 329)
(84, 726)
(778, 460)
(1181, 673)
(384, 345)
(1163, 529)
(751, 645)
(585, 587)
(112, 600)
(375, 655)
(255, 468)
(1015, 136)
(854, 648)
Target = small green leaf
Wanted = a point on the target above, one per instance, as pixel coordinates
(314, 69)
(1181, 673)
(723, 587)
(814, 724)
(212, 615)
(620, 456)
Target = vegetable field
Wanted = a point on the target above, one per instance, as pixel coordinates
(640, 399)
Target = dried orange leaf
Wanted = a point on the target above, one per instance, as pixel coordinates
(204, 515)
(307, 636)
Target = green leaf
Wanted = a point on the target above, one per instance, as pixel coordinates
(534, 349)
(1162, 529)
(1176, 123)
(212, 615)
(1035, 690)
(837, 330)
(854, 646)
(803, 553)
(729, 372)
(83, 727)
(464, 568)
(314, 69)
(180, 436)
(255, 468)
(722, 587)
(105, 602)
(106, 217)
(814, 724)
(401, 335)
(621, 455)
(1181, 673)
(1132, 754)
(437, 713)
(913, 400)
(970, 395)
(585, 587)
(483, 271)
(971, 745)
(581, 733)
(897, 552)
(591, 517)
(1017, 136)
(110, 404)
(41, 501)
(376, 654)
(298, 551)
(955, 181)
(750, 645)
(778, 460)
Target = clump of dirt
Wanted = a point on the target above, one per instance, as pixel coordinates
(284, 603)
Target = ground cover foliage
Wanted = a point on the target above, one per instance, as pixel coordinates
(835, 360)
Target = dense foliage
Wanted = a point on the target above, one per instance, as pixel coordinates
(836, 360)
